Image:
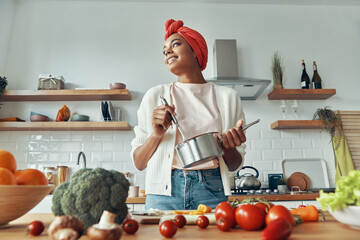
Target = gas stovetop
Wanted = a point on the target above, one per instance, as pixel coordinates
(261, 191)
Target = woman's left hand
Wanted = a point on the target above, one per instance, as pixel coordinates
(233, 137)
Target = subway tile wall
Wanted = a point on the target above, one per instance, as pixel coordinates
(111, 150)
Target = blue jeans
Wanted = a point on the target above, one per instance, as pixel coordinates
(189, 189)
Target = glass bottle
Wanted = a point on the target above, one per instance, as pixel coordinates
(305, 80)
(316, 79)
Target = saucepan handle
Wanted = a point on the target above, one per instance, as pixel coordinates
(250, 124)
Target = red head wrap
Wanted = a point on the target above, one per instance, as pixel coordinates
(195, 39)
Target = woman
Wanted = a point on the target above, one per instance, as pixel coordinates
(200, 107)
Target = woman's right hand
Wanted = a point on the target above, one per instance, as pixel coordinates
(161, 119)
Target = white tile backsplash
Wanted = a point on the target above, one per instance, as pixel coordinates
(103, 136)
(113, 146)
(282, 144)
(71, 146)
(9, 146)
(16, 136)
(111, 149)
(260, 144)
(302, 144)
(313, 153)
(91, 146)
(270, 134)
(60, 136)
(272, 154)
(292, 134)
(293, 153)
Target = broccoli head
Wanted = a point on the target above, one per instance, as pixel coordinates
(91, 191)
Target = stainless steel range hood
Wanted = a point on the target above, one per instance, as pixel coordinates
(227, 74)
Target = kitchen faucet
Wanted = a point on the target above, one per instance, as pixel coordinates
(84, 159)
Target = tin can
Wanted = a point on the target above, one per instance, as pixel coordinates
(61, 174)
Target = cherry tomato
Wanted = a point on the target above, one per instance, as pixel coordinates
(130, 226)
(250, 217)
(168, 228)
(279, 229)
(35, 228)
(264, 206)
(226, 212)
(202, 221)
(180, 220)
(301, 206)
(279, 211)
(224, 224)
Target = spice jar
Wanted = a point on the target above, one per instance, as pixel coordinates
(50, 174)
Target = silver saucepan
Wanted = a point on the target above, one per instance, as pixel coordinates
(198, 149)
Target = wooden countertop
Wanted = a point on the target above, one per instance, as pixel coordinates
(270, 197)
(328, 229)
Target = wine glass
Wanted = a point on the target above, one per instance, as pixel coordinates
(295, 107)
(283, 107)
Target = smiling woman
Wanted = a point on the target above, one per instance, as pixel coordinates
(200, 108)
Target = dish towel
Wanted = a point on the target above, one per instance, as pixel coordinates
(344, 163)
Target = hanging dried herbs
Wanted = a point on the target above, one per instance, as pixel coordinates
(331, 122)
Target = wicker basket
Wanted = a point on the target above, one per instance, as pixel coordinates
(49, 82)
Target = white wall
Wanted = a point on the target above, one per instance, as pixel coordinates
(93, 43)
(6, 16)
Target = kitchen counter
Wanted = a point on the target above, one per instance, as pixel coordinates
(270, 197)
(328, 229)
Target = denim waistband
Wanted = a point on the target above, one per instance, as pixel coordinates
(206, 172)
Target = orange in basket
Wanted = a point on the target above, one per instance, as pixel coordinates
(6, 177)
(7, 160)
(30, 177)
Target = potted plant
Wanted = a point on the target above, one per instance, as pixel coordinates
(332, 125)
(3, 84)
(277, 69)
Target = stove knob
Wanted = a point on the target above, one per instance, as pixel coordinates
(251, 191)
(276, 190)
(259, 191)
(268, 191)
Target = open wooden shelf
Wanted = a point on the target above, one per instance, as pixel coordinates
(297, 124)
(301, 94)
(65, 95)
(63, 126)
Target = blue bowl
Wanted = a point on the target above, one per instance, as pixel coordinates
(80, 118)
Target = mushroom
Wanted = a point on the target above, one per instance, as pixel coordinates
(65, 228)
(105, 229)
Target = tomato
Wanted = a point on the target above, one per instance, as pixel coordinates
(224, 225)
(226, 212)
(250, 217)
(279, 211)
(130, 226)
(301, 206)
(168, 228)
(35, 228)
(202, 221)
(180, 220)
(279, 229)
(264, 206)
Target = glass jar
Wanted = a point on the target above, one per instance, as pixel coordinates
(50, 174)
